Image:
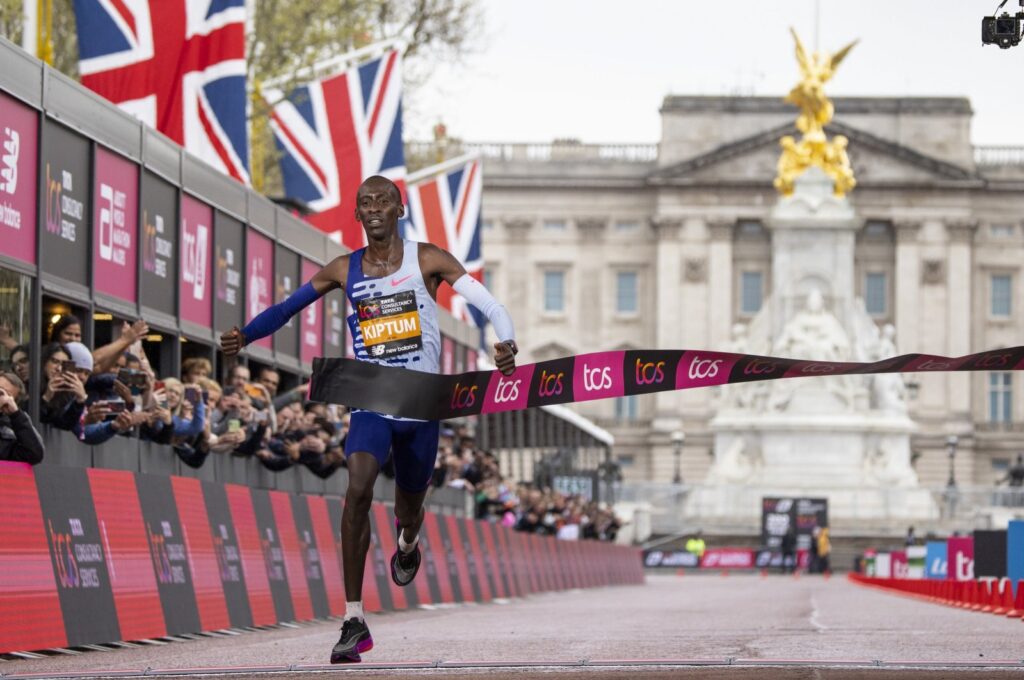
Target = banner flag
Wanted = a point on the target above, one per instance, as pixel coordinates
(335, 132)
(177, 65)
(444, 209)
(584, 377)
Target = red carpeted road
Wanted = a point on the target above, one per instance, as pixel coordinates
(815, 627)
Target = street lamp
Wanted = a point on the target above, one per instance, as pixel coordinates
(951, 443)
(951, 490)
(678, 437)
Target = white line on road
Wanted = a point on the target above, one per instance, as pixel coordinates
(818, 625)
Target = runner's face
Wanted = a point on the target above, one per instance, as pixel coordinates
(378, 210)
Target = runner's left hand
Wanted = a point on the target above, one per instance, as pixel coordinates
(504, 359)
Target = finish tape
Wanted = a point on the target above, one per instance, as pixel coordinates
(602, 375)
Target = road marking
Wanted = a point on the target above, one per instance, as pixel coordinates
(818, 625)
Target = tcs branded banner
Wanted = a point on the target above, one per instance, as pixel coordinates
(93, 556)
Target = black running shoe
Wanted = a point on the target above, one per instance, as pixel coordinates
(355, 639)
(404, 565)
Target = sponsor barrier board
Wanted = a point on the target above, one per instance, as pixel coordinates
(93, 556)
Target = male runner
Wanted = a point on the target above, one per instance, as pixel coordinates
(390, 277)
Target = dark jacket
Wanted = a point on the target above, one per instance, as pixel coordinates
(19, 440)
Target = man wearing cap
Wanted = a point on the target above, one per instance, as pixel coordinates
(392, 286)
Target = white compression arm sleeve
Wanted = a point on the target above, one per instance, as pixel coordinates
(479, 297)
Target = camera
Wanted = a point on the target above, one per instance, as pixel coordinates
(1003, 30)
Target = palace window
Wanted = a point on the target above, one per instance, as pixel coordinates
(625, 409)
(1000, 397)
(554, 225)
(626, 292)
(627, 225)
(554, 291)
(1001, 294)
(751, 292)
(876, 293)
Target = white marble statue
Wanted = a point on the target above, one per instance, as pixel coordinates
(888, 391)
(814, 334)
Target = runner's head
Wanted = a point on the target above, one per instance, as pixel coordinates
(379, 207)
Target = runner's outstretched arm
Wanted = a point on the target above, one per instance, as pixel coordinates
(274, 317)
(444, 265)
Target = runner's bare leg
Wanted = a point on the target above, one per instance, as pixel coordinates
(355, 521)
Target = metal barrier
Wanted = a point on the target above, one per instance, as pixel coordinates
(127, 453)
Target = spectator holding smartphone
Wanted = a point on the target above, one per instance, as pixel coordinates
(64, 395)
(19, 440)
(188, 411)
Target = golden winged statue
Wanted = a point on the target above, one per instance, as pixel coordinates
(816, 111)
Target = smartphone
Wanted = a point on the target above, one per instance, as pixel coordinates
(253, 391)
(234, 425)
(116, 406)
(192, 395)
(68, 367)
(158, 385)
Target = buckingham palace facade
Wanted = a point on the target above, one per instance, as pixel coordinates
(601, 247)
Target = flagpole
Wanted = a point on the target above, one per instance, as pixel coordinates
(330, 66)
(432, 170)
(30, 13)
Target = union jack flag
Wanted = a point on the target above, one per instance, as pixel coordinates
(334, 133)
(444, 209)
(178, 65)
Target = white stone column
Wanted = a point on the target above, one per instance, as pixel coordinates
(908, 285)
(958, 331)
(669, 311)
(720, 277)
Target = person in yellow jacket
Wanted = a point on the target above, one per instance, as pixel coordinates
(695, 546)
(824, 549)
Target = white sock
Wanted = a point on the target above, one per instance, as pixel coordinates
(406, 547)
(354, 610)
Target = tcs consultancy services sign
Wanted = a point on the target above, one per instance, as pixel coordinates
(19, 127)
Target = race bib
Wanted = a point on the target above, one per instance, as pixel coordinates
(390, 324)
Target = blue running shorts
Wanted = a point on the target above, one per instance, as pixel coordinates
(413, 442)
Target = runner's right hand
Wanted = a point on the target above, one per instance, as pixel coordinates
(232, 342)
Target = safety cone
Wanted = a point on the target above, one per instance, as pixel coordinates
(680, 571)
(986, 596)
(725, 572)
(1018, 604)
(764, 573)
(1005, 598)
(979, 595)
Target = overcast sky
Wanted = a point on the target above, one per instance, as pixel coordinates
(598, 70)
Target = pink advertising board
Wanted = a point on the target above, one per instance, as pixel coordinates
(900, 567)
(115, 225)
(19, 132)
(311, 332)
(447, 355)
(195, 291)
(259, 278)
(960, 558)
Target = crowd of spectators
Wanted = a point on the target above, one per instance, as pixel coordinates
(113, 391)
(523, 507)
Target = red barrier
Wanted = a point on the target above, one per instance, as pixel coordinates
(94, 556)
(984, 596)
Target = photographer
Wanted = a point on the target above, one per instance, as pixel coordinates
(107, 410)
(64, 395)
(188, 411)
(19, 440)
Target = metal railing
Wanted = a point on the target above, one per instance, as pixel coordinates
(129, 453)
(999, 155)
(540, 152)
